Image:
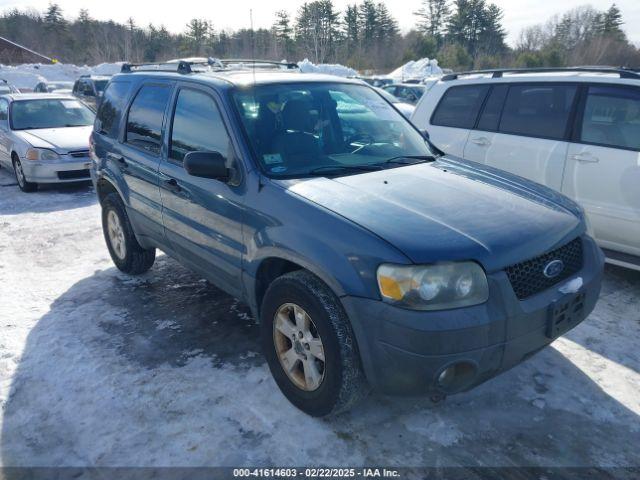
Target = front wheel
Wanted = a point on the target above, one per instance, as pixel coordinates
(309, 345)
(23, 184)
(125, 251)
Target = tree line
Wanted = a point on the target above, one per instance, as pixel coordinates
(461, 34)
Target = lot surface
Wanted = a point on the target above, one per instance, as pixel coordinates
(100, 369)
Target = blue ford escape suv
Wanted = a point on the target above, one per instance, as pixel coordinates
(370, 259)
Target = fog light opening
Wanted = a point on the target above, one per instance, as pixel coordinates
(456, 377)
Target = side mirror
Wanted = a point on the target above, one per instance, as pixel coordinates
(207, 165)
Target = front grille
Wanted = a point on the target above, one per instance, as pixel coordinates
(528, 278)
(79, 154)
(74, 174)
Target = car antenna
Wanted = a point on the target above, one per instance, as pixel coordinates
(253, 91)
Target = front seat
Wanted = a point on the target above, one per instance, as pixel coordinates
(295, 142)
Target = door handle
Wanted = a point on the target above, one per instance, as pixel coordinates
(172, 185)
(481, 141)
(585, 157)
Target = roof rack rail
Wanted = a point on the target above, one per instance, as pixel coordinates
(624, 72)
(258, 63)
(185, 67)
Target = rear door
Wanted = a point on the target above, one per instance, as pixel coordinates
(528, 135)
(138, 157)
(455, 116)
(202, 217)
(603, 165)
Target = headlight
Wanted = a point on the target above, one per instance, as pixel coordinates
(41, 154)
(433, 287)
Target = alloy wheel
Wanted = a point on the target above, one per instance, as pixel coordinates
(299, 347)
(116, 235)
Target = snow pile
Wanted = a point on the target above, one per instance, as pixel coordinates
(28, 75)
(417, 70)
(307, 66)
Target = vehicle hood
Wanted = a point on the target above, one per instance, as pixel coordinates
(449, 210)
(59, 139)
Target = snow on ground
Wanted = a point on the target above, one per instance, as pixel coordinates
(28, 75)
(97, 368)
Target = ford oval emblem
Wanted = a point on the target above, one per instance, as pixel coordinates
(553, 268)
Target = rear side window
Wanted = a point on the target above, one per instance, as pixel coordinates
(490, 116)
(197, 126)
(538, 110)
(146, 114)
(612, 117)
(459, 106)
(111, 108)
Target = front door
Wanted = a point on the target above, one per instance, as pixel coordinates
(603, 165)
(202, 217)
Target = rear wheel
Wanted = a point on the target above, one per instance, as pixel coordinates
(125, 251)
(23, 184)
(309, 345)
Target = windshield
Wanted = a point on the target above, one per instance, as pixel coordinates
(326, 129)
(49, 113)
(100, 85)
(59, 86)
(387, 96)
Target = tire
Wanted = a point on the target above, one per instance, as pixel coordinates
(343, 382)
(23, 184)
(125, 251)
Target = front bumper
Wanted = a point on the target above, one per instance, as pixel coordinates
(404, 352)
(57, 171)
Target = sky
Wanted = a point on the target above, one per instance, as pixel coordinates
(174, 15)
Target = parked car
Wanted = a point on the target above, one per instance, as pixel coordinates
(44, 138)
(407, 92)
(89, 89)
(54, 87)
(405, 108)
(574, 130)
(367, 258)
(6, 87)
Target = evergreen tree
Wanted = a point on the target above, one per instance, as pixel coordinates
(433, 17)
(197, 37)
(317, 29)
(282, 33)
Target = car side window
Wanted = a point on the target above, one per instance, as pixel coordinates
(111, 108)
(146, 115)
(538, 110)
(459, 107)
(612, 117)
(4, 110)
(490, 116)
(197, 126)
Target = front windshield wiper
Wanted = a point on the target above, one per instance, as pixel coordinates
(340, 168)
(418, 159)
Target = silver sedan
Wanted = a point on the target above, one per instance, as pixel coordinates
(44, 138)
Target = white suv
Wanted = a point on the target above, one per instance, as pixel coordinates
(575, 130)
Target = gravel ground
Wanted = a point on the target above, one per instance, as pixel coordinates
(100, 369)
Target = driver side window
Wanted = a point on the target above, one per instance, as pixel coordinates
(197, 126)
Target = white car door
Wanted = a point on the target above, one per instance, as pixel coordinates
(454, 116)
(603, 166)
(5, 154)
(523, 129)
